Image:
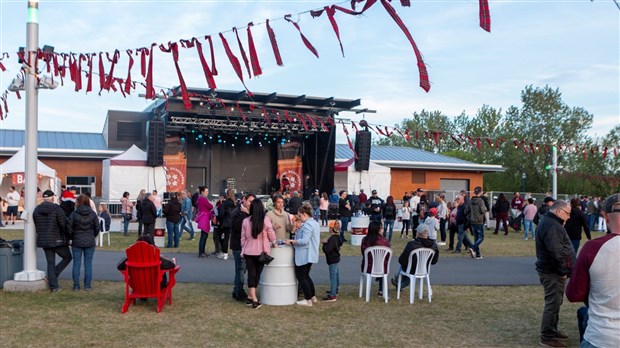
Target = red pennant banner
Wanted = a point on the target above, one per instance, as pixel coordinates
(303, 38)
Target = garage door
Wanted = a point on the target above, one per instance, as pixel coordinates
(453, 186)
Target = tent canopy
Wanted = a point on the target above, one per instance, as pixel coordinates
(17, 164)
(132, 157)
(377, 178)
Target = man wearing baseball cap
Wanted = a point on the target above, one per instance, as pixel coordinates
(413, 203)
(595, 280)
(52, 235)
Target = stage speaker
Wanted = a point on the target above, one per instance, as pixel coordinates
(362, 148)
(155, 143)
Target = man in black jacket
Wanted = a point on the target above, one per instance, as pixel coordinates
(555, 258)
(52, 235)
(241, 212)
(421, 241)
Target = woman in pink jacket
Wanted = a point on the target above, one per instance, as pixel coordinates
(256, 236)
(204, 214)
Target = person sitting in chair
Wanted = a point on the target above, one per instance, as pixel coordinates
(421, 241)
(166, 263)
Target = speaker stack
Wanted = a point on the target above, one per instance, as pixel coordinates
(362, 148)
(155, 135)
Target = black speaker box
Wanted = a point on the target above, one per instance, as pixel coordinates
(155, 134)
(362, 148)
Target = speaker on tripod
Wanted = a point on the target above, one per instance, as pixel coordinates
(362, 148)
(155, 143)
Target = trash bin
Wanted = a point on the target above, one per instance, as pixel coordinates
(278, 284)
(11, 259)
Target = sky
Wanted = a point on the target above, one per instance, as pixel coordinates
(570, 45)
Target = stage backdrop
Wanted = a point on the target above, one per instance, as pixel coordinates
(289, 164)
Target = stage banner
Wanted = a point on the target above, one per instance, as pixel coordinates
(176, 167)
(289, 167)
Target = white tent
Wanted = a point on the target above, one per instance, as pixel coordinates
(17, 164)
(129, 172)
(377, 178)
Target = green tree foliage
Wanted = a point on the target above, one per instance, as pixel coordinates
(542, 118)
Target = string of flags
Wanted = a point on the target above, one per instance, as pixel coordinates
(82, 67)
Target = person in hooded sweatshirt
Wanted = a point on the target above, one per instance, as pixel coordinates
(421, 241)
(83, 227)
(51, 226)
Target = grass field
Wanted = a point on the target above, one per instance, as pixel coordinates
(205, 315)
(493, 245)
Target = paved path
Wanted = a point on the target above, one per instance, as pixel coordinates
(448, 271)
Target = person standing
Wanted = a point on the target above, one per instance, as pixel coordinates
(442, 215)
(149, 214)
(516, 206)
(256, 236)
(12, 199)
(324, 204)
(238, 215)
(186, 213)
(306, 245)
(544, 208)
(280, 219)
(83, 226)
(502, 207)
(405, 218)
(344, 211)
(226, 209)
(529, 213)
(363, 198)
(126, 210)
(294, 203)
(331, 248)
(555, 258)
(139, 201)
(204, 210)
(52, 235)
(452, 227)
(595, 280)
(413, 203)
(461, 220)
(374, 206)
(157, 202)
(172, 212)
(475, 213)
(576, 223)
(315, 202)
(389, 216)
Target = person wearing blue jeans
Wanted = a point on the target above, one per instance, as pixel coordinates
(186, 211)
(388, 228)
(173, 234)
(88, 266)
(462, 239)
(478, 230)
(475, 212)
(331, 248)
(344, 210)
(528, 225)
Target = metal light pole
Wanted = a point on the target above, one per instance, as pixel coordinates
(554, 169)
(523, 177)
(30, 272)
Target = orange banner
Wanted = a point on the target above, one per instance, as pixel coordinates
(291, 169)
(176, 168)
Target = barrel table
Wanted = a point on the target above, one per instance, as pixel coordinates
(359, 228)
(278, 285)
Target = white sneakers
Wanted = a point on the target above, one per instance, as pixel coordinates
(441, 243)
(307, 303)
(314, 299)
(222, 256)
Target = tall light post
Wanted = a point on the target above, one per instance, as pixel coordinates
(30, 279)
(523, 177)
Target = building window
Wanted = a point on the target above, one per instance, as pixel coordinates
(128, 131)
(418, 177)
(82, 184)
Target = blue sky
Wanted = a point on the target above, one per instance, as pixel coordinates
(572, 45)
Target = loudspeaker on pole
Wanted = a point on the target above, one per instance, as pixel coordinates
(362, 148)
(155, 136)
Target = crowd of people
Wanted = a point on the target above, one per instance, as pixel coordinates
(251, 228)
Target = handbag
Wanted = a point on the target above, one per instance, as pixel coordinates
(264, 258)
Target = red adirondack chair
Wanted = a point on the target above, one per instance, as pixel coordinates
(143, 275)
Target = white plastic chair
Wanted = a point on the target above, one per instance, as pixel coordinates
(379, 255)
(104, 231)
(422, 271)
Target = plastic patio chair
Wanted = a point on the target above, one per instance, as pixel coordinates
(103, 231)
(422, 271)
(379, 256)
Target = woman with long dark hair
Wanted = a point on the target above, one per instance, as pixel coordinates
(83, 227)
(389, 215)
(502, 207)
(172, 211)
(256, 236)
(575, 224)
(226, 209)
(374, 238)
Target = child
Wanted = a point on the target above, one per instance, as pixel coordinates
(433, 224)
(331, 248)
